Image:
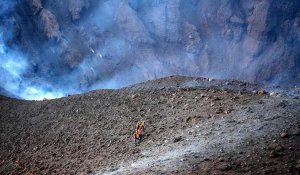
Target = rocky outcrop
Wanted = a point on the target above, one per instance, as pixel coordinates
(135, 40)
(48, 24)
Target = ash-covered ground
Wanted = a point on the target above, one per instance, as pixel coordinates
(193, 126)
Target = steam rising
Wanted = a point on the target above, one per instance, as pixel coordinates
(13, 66)
(51, 49)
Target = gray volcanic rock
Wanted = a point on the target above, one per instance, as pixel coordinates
(48, 24)
(109, 44)
(36, 6)
(76, 6)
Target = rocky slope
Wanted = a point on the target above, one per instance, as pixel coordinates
(206, 129)
(78, 45)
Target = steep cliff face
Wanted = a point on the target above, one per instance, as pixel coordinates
(78, 45)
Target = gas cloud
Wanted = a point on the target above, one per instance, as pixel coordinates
(52, 48)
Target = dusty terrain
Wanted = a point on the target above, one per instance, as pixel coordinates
(193, 126)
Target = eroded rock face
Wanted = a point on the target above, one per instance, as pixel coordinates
(128, 41)
(48, 24)
(35, 5)
(76, 7)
